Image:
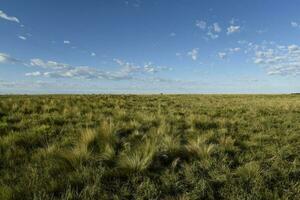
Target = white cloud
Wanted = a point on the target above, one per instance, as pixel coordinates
(201, 24)
(67, 42)
(233, 29)
(212, 35)
(82, 72)
(130, 68)
(5, 58)
(217, 28)
(22, 37)
(279, 59)
(236, 49)
(213, 30)
(295, 24)
(193, 53)
(258, 61)
(126, 67)
(222, 55)
(60, 70)
(37, 73)
(9, 18)
(228, 51)
(293, 48)
(48, 64)
(53, 69)
(93, 54)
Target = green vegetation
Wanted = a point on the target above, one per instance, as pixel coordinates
(150, 147)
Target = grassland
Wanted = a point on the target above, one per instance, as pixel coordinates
(150, 147)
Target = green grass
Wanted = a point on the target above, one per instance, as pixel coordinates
(150, 147)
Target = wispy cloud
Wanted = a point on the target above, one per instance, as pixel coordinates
(37, 73)
(228, 51)
(127, 70)
(233, 29)
(61, 70)
(36, 62)
(3, 15)
(5, 58)
(67, 42)
(212, 35)
(217, 28)
(22, 37)
(279, 59)
(295, 24)
(212, 31)
(201, 24)
(193, 53)
(82, 72)
(54, 69)
(222, 55)
(236, 49)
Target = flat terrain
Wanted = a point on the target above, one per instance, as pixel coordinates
(150, 147)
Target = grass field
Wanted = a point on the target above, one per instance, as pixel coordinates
(150, 147)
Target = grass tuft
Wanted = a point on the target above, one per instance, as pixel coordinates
(199, 148)
(139, 158)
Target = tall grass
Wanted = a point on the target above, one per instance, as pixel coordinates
(149, 147)
(81, 151)
(139, 158)
(199, 148)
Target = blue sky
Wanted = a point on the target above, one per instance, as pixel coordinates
(143, 46)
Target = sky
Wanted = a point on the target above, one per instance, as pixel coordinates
(149, 46)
